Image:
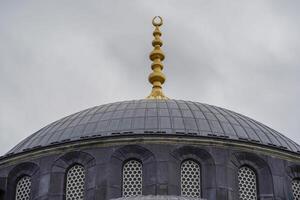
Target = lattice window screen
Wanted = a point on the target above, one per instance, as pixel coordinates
(247, 184)
(190, 179)
(132, 178)
(296, 189)
(75, 183)
(23, 188)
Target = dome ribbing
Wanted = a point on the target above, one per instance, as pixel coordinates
(156, 117)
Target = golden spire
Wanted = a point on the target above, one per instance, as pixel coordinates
(157, 78)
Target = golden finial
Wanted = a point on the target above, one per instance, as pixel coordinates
(157, 78)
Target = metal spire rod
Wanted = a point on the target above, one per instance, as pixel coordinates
(157, 78)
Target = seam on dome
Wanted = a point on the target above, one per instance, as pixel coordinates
(208, 108)
(241, 117)
(228, 122)
(196, 104)
(234, 117)
(193, 117)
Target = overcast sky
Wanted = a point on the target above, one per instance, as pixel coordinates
(58, 57)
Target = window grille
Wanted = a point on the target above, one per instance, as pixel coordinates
(190, 179)
(23, 188)
(247, 184)
(296, 189)
(132, 178)
(75, 183)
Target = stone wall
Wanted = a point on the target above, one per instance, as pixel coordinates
(161, 171)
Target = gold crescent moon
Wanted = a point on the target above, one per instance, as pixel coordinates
(157, 23)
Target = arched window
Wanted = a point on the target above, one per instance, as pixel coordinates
(23, 188)
(247, 184)
(132, 178)
(296, 188)
(190, 179)
(75, 183)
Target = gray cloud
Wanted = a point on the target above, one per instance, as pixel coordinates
(59, 57)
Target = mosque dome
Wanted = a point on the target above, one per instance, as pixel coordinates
(155, 148)
(157, 118)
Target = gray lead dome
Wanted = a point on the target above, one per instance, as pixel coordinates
(156, 117)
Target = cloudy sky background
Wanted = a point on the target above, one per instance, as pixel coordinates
(58, 57)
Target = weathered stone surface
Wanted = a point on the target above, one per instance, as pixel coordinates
(161, 171)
